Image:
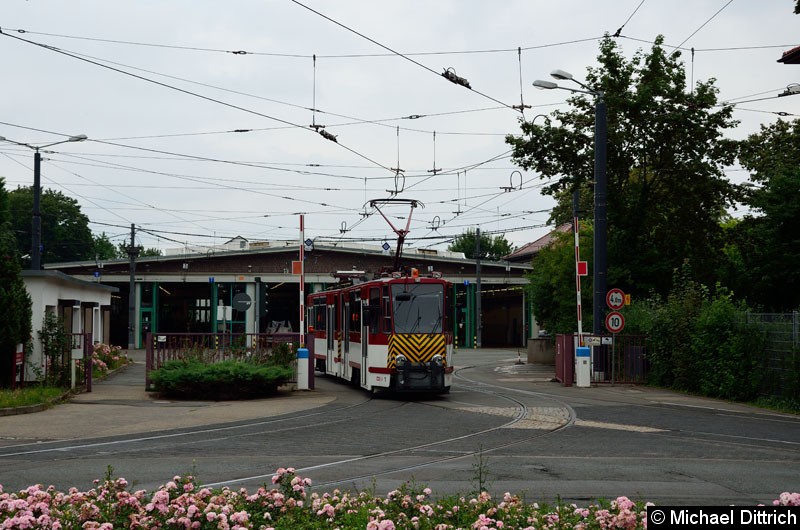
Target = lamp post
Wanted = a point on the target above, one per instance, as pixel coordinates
(36, 226)
(600, 192)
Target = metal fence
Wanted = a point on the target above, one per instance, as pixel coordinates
(623, 361)
(626, 360)
(782, 331)
(212, 347)
(69, 365)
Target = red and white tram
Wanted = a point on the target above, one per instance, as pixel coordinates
(391, 333)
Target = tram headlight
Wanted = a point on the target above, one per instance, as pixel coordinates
(438, 359)
(400, 360)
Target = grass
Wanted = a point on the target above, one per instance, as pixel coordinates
(778, 404)
(30, 395)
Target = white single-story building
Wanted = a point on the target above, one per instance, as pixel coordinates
(85, 307)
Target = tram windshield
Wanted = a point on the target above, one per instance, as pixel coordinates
(418, 308)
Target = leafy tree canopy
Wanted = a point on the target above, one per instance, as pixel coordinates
(492, 248)
(105, 249)
(122, 251)
(552, 283)
(15, 326)
(65, 229)
(767, 242)
(667, 191)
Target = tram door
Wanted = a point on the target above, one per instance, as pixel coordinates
(364, 341)
(330, 324)
(344, 335)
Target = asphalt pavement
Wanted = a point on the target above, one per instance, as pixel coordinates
(573, 443)
(119, 404)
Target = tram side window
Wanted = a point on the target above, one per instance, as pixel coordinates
(355, 312)
(449, 310)
(319, 309)
(374, 310)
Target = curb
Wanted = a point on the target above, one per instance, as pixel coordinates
(30, 409)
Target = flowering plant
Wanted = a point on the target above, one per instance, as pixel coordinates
(183, 503)
(106, 358)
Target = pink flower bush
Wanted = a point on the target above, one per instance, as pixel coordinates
(106, 358)
(182, 503)
(787, 499)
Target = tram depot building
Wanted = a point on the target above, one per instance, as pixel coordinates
(196, 290)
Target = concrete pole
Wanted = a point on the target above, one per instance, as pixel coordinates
(132, 253)
(600, 222)
(36, 227)
(478, 316)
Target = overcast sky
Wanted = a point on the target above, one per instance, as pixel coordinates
(162, 153)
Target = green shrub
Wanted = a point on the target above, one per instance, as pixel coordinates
(672, 363)
(218, 381)
(700, 343)
(282, 354)
(729, 352)
(57, 349)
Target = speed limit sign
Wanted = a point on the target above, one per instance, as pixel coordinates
(615, 322)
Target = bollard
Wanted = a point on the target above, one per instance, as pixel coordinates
(302, 369)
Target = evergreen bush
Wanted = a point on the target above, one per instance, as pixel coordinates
(218, 381)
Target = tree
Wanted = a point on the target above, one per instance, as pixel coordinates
(104, 248)
(122, 251)
(492, 248)
(667, 191)
(15, 326)
(552, 283)
(768, 242)
(65, 229)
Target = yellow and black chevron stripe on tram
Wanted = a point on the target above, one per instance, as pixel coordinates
(418, 348)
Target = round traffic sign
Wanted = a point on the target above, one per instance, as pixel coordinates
(242, 302)
(615, 299)
(615, 322)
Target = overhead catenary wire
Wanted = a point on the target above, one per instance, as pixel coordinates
(438, 74)
(184, 91)
(522, 105)
(720, 49)
(423, 175)
(426, 188)
(619, 30)
(301, 55)
(434, 169)
(306, 56)
(219, 185)
(356, 121)
(69, 190)
(704, 24)
(376, 239)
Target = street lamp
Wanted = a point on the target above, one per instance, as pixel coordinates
(600, 187)
(36, 228)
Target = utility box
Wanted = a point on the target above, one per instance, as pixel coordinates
(302, 369)
(583, 368)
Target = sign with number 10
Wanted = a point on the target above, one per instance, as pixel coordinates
(615, 322)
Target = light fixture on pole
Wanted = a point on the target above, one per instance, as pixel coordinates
(599, 278)
(36, 225)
